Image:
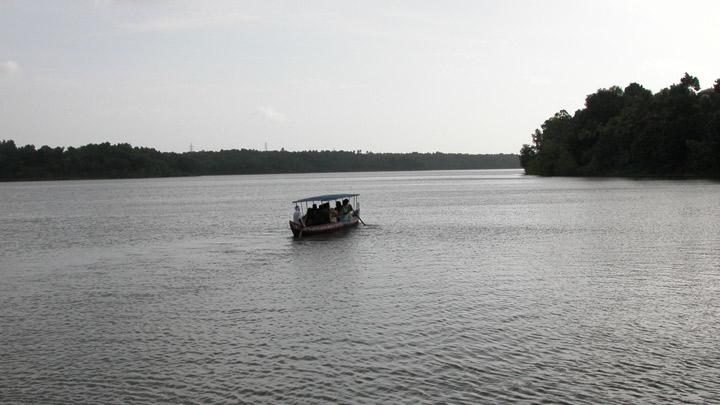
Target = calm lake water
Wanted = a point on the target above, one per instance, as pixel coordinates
(465, 287)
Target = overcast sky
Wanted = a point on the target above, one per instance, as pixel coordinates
(387, 76)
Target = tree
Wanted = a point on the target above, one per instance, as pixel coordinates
(604, 104)
(632, 132)
(9, 159)
(636, 92)
(527, 154)
(690, 82)
(122, 161)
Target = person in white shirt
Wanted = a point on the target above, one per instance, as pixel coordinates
(297, 215)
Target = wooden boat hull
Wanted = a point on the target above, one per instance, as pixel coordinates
(331, 227)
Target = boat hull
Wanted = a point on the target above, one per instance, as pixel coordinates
(299, 230)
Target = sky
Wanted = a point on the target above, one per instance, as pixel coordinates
(384, 76)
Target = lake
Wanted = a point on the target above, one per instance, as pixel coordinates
(464, 287)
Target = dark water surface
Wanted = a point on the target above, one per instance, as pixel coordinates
(466, 287)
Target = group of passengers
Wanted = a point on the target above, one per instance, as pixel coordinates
(324, 214)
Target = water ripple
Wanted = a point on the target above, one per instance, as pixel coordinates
(517, 289)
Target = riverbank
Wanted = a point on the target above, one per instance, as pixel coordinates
(115, 161)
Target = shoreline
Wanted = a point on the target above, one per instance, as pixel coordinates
(252, 174)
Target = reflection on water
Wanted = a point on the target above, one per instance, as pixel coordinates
(467, 286)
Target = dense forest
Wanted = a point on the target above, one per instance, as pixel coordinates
(633, 132)
(104, 160)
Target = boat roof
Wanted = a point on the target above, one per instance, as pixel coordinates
(326, 197)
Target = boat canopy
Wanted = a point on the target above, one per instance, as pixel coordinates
(326, 197)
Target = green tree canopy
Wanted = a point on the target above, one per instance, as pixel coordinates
(105, 160)
(632, 132)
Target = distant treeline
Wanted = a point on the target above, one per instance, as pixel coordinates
(632, 132)
(104, 160)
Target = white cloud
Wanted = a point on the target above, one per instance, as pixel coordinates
(271, 114)
(9, 66)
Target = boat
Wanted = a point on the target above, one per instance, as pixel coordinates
(318, 224)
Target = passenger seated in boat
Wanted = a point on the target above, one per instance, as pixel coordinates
(336, 213)
(311, 216)
(347, 207)
(324, 213)
(342, 212)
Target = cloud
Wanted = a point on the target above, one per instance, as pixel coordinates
(179, 23)
(9, 66)
(271, 114)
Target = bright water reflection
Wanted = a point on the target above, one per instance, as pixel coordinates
(471, 286)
